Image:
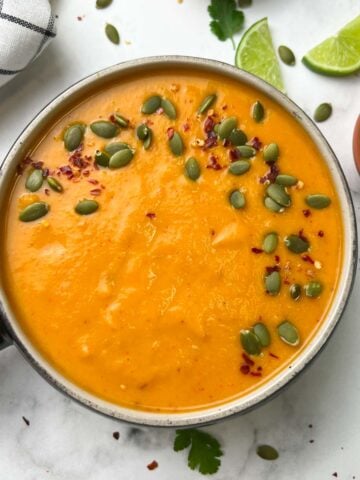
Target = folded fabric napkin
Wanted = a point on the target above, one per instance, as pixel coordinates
(26, 26)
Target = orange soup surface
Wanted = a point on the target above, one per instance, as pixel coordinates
(160, 293)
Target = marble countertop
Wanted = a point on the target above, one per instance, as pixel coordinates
(315, 422)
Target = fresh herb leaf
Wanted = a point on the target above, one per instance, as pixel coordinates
(204, 450)
(227, 20)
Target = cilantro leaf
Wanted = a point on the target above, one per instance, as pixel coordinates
(227, 20)
(204, 450)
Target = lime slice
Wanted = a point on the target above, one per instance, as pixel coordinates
(255, 54)
(338, 55)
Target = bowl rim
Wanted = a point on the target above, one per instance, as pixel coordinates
(268, 389)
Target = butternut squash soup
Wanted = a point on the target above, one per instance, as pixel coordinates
(172, 242)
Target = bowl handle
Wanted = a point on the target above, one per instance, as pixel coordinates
(5, 338)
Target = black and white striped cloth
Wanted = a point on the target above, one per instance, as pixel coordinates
(26, 26)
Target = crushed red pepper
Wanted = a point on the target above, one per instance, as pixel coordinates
(321, 233)
(257, 250)
(270, 175)
(306, 213)
(154, 464)
(273, 355)
(213, 163)
(151, 215)
(307, 258)
(170, 132)
(255, 143)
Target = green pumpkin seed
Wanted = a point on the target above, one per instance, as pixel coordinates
(112, 33)
(151, 105)
(246, 151)
(266, 452)
(114, 147)
(323, 112)
(122, 121)
(295, 291)
(278, 194)
(270, 242)
(318, 201)
(313, 289)
(237, 199)
(142, 131)
(206, 103)
(121, 158)
(35, 180)
(239, 167)
(104, 129)
(263, 334)
(192, 169)
(273, 283)
(54, 184)
(148, 140)
(286, 55)
(296, 244)
(286, 180)
(216, 128)
(226, 127)
(288, 333)
(168, 108)
(34, 211)
(271, 205)
(250, 342)
(103, 3)
(258, 112)
(271, 153)
(102, 159)
(238, 137)
(73, 137)
(86, 207)
(176, 144)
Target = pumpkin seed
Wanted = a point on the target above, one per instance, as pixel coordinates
(114, 147)
(258, 112)
(206, 103)
(35, 180)
(318, 201)
(168, 108)
(296, 244)
(104, 129)
(86, 207)
(176, 144)
(151, 105)
(273, 283)
(271, 153)
(239, 167)
(270, 242)
(250, 342)
(278, 194)
(266, 452)
(322, 112)
(103, 3)
(288, 333)
(286, 55)
(148, 140)
(263, 334)
(270, 204)
(142, 131)
(216, 128)
(295, 291)
(192, 169)
(122, 121)
(237, 199)
(238, 137)
(121, 158)
(226, 127)
(102, 159)
(54, 184)
(34, 211)
(246, 151)
(73, 137)
(112, 33)
(313, 289)
(286, 180)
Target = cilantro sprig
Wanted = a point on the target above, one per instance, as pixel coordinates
(204, 450)
(227, 19)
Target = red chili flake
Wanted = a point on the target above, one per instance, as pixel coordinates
(226, 142)
(47, 191)
(224, 107)
(255, 374)
(154, 464)
(37, 165)
(270, 270)
(66, 170)
(210, 141)
(286, 281)
(151, 215)
(212, 231)
(273, 355)
(186, 127)
(277, 259)
(170, 132)
(160, 111)
(209, 124)
(307, 258)
(245, 369)
(46, 172)
(302, 236)
(213, 163)
(96, 192)
(248, 360)
(103, 187)
(271, 174)
(306, 213)
(255, 143)
(321, 233)
(257, 250)
(86, 173)
(27, 161)
(93, 181)
(234, 154)
(26, 421)
(78, 161)
(259, 369)
(116, 435)
(112, 119)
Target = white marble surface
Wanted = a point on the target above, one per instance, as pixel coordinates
(65, 441)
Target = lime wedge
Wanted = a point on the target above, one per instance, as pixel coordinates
(255, 54)
(338, 55)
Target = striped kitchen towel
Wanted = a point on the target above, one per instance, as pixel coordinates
(26, 26)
